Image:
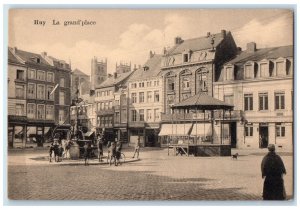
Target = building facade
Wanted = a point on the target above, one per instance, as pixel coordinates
(191, 67)
(98, 72)
(80, 83)
(259, 82)
(145, 91)
(106, 104)
(46, 92)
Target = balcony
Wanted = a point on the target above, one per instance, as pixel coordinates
(218, 115)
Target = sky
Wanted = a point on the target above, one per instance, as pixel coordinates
(128, 35)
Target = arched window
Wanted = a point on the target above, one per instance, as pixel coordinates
(201, 80)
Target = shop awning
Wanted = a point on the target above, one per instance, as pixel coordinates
(201, 129)
(175, 129)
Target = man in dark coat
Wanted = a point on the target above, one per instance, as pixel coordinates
(272, 169)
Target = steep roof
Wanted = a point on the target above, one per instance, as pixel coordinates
(12, 58)
(111, 81)
(29, 57)
(153, 65)
(78, 72)
(195, 44)
(264, 53)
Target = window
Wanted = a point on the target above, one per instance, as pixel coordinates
(50, 77)
(141, 84)
(280, 130)
(20, 75)
(156, 114)
(185, 58)
(40, 91)
(171, 84)
(149, 96)
(249, 72)
(142, 115)
(229, 74)
(62, 82)
(61, 116)
(106, 105)
(49, 89)
(31, 90)
(98, 106)
(279, 101)
(149, 114)
(263, 101)
(31, 111)
(49, 112)
(124, 115)
(102, 105)
(186, 83)
(156, 96)
(280, 69)
(133, 97)
(133, 115)
(133, 85)
(264, 70)
(202, 82)
(110, 93)
(61, 97)
(20, 110)
(110, 105)
(40, 111)
(31, 74)
(248, 99)
(249, 129)
(20, 93)
(117, 117)
(149, 84)
(141, 97)
(228, 99)
(40, 75)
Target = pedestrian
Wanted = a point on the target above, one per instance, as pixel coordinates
(137, 148)
(272, 169)
(51, 150)
(100, 147)
(118, 151)
(86, 153)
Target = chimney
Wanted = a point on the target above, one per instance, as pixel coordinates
(208, 34)
(151, 54)
(251, 47)
(178, 40)
(115, 75)
(223, 33)
(44, 54)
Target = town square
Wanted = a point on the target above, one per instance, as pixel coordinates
(150, 105)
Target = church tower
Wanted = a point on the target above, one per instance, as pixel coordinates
(99, 72)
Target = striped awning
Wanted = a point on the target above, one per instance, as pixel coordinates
(201, 129)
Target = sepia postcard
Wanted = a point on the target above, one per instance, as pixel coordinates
(148, 104)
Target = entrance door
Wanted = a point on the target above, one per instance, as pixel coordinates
(263, 136)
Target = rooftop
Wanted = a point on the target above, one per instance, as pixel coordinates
(111, 81)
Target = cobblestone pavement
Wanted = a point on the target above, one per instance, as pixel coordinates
(155, 176)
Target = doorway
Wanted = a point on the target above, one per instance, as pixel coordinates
(263, 135)
(233, 134)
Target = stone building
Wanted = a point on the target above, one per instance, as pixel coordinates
(191, 67)
(81, 83)
(145, 91)
(259, 82)
(45, 89)
(98, 72)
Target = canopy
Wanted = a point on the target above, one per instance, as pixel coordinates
(175, 129)
(201, 129)
(202, 101)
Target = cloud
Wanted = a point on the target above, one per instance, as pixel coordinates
(278, 32)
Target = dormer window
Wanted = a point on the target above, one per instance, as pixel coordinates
(145, 68)
(229, 73)
(265, 68)
(251, 70)
(281, 67)
(38, 60)
(186, 55)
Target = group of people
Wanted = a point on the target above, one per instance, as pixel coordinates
(59, 149)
